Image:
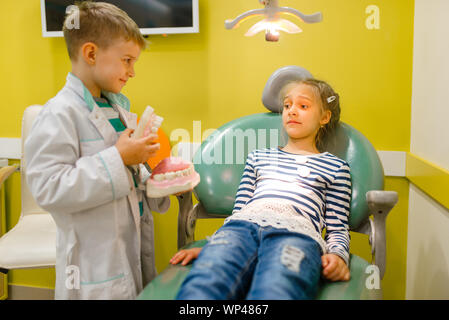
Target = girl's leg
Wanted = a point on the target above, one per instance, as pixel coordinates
(288, 267)
(225, 265)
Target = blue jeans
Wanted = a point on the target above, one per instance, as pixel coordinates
(245, 261)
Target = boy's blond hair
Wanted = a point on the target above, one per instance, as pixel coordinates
(100, 23)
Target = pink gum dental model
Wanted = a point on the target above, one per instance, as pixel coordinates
(172, 175)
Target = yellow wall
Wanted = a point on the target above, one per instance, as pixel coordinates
(218, 75)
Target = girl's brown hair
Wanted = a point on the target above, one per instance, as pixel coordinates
(330, 100)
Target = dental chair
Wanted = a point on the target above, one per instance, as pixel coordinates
(219, 183)
(32, 241)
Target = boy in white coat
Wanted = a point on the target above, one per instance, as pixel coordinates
(79, 156)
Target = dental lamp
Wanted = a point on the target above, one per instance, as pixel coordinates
(272, 23)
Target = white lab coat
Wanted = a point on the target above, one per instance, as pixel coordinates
(75, 172)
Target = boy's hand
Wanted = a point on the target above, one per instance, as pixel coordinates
(185, 255)
(334, 268)
(135, 151)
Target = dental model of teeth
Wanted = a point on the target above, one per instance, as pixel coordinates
(172, 175)
(149, 122)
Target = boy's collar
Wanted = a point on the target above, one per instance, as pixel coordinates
(76, 84)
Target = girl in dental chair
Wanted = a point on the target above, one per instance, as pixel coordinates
(271, 247)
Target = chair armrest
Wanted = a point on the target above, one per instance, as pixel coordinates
(187, 216)
(5, 172)
(380, 204)
(186, 219)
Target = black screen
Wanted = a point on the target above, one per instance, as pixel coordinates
(146, 13)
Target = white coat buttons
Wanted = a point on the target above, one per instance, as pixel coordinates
(303, 171)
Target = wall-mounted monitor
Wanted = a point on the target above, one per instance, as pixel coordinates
(152, 16)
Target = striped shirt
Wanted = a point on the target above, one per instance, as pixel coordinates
(111, 114)
(317, 187)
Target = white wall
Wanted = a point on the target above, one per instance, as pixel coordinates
(428, 222)
(427, 253)
(430, 93)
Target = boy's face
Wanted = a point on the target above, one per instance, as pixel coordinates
(114, 65)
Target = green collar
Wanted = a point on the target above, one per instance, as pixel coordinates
(115, 98)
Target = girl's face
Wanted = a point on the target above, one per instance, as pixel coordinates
(302, 114)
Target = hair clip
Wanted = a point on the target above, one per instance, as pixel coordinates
(331, 98)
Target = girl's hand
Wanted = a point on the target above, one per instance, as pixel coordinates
(135, 151)
(185, 255)
(334, 268)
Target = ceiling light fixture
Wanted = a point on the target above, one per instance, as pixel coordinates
(272, 23)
